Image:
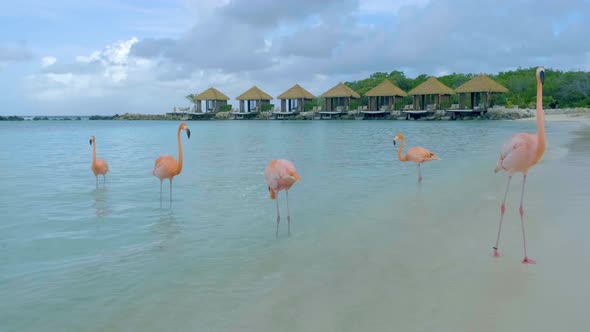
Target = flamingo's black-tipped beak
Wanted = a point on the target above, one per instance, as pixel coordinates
(394, 142)
(188, 133)
(268, 189)
(90, 142)
(542, 77)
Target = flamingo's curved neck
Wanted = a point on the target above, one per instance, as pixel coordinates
(179, 153)
(540, 122)
(399, 151)
(93, 151)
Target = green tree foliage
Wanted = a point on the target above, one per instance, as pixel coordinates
(266, 107)
(561, 89)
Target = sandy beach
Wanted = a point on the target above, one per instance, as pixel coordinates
(581, 117)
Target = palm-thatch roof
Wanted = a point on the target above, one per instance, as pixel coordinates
(296, 92)
(340, 91)
(211, 94)
(386, 89)
(254, 94)
(431, 86)
(481, 83)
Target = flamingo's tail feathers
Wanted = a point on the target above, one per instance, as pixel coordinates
(497, 169)
(296, 176)
(273, 194)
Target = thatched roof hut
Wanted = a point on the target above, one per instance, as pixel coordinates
(211, 94)
(293, 99)
(479, 87)
(254, 93)
(383, 96)
(481, 83)
(213, 98)
(296, 92)
(431, 87)
(341, 90)
(386, 89)
(255, 97)
(338, 99)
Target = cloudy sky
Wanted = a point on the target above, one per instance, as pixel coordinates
(105, 56)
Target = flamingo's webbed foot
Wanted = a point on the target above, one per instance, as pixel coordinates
(496, 253)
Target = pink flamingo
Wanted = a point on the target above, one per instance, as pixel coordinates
(521, 152)
(416, 154)
(99, 166)
(166, 167)
(281, 174)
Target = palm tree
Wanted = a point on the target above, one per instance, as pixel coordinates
(191, 98)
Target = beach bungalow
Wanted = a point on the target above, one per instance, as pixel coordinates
(432, 89)
(293, 101)
(254, 98)
(382, 99)
(480, 88)
(337, 100)
(213, 98)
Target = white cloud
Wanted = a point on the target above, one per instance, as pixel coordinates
(48, 61)
(99, 74)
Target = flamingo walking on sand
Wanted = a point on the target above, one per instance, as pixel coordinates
(99, 166)
(416, 154)
(281, 175)
(521, 152)
(166, 167)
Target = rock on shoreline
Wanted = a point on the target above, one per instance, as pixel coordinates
(11, 118)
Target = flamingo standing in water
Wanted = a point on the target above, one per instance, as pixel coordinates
(416, 154)
(521, 152)
(166, 167)
(281, 174)
(99, 166)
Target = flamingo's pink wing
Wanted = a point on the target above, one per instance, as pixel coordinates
(164, 167)
(102, 166)
(516, 153)
(280, 174)
(419, 155)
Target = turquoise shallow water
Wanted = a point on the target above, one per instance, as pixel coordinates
(370, 248)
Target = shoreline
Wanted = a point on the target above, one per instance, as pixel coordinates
(581, 115)
(582, 118)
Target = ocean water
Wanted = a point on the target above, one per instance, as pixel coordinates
(370, 248)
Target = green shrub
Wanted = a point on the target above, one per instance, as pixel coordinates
(308, 107)
(354, 105)
(445, 104)
(266, 107)
(225, 108)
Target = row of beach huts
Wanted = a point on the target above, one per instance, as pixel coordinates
(427, 98)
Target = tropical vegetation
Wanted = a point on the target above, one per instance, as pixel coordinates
(562, 89)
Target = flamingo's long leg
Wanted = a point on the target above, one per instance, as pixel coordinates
(170, 190)
(278, 214)
(526, 259)
(419, 173)
(97, 181)
(502, 210)
(288, 213)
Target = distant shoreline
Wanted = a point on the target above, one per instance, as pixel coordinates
(500, 113)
